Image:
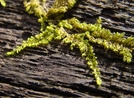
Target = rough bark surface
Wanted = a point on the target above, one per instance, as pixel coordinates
(56, 71)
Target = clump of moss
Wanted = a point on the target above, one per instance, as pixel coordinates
(3, 3)
(88, 33)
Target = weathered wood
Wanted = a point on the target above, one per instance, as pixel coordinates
(55, 71)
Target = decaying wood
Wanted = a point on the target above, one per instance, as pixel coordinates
(55, 71)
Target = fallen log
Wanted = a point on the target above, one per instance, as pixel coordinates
(55, 70)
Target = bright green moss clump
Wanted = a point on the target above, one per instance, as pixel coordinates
(3, 3)
(84, 34)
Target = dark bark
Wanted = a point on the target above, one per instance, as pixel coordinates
(55, 70)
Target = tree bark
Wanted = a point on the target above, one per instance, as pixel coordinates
(55, 70)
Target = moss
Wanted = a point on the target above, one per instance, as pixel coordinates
(87, 34)
(3, 3)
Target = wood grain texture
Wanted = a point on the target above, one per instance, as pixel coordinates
(55, 70)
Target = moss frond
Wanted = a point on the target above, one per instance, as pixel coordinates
(42, 38)
(60, 7)
(78, 41)
(3, 3)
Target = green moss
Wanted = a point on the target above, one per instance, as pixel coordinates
(84, 34)
(3, 3)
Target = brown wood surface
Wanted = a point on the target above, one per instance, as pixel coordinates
(56, 71)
